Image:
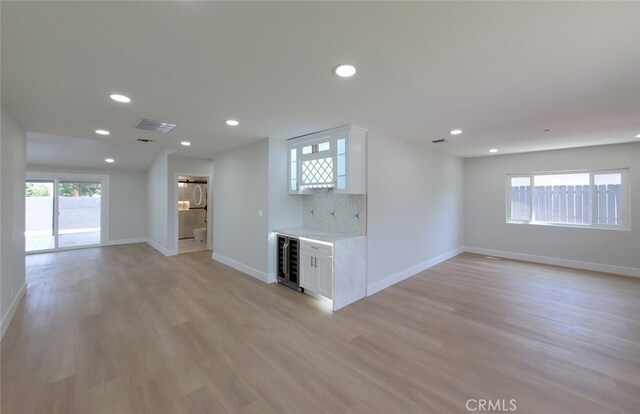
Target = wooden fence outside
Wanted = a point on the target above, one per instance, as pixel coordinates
(567, 204)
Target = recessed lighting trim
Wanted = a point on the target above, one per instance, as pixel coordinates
(185, 143)
(456, 132)
(102, 132)
(109, 160)
(493, 150)
(232, 122)
(345, 71)
(120, 98)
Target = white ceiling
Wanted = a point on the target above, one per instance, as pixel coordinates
(500, 71)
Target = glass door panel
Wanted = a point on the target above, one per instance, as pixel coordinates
(39, 215)
(78, 213)
(341, 155)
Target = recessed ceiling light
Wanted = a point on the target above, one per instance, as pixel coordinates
(456, 132)
(185, 143)
(638, 136)
(102, 132)
(120, 98)
(345, 71)
(232, 122)
(109, 160)
(493, 150)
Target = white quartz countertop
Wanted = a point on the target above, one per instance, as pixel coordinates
(315, 234)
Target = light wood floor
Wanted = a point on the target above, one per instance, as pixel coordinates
(123, 329)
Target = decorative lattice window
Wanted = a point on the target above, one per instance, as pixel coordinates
(317, 173)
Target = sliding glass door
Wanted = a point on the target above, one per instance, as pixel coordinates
(40, 230)
(62, 214)
(78, 213)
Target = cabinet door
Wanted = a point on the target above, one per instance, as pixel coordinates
(316, 163)
(293, 170)
(308, 272)
(324, 268)
(340, 170)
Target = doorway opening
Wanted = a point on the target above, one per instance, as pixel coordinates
(193, 195)
(62, 213)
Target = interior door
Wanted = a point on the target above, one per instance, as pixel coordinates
(40, 223)
(192, 207)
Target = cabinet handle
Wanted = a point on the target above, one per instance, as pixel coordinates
(311, 261)
(285, 259)
(315, 262)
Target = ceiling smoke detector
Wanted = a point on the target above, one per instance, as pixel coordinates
(439, 141)
(144, 140)
(155, 126)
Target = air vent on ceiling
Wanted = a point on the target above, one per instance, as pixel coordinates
(439, 141)
(144, 140)
(156, 126)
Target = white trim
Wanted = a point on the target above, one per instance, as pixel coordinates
(6, 320)
(625, 197)
(174, 219)
(127, 241)
(241, 267)
(556, 261)
(90, 246)
(404, 274)
(64, 249)
(164, 251)
(105, 191)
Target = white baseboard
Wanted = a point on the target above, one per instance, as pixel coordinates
(242, 267)
(404, 274)
(164, 251)
(6, 320)
(576, 264)
(127, 241)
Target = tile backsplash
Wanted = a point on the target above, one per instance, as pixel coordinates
(335, 213)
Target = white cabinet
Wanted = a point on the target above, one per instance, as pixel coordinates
(324, 267)
(335, 158)
(316, 269)
(308, 272)
(330, 266)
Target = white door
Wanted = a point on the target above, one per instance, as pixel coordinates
(308, 272)
(324, 270)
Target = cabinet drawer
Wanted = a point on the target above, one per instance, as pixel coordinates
(317, 248)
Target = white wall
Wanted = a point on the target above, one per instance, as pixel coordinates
(284, 210)
(157, 202)
(415, 217)
(127, 200)
(12, 175)
(178, 165)
(240, 189)
(485, 209)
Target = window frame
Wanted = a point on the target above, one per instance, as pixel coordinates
(625, 199)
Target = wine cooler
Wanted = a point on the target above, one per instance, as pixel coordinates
(289, 262)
